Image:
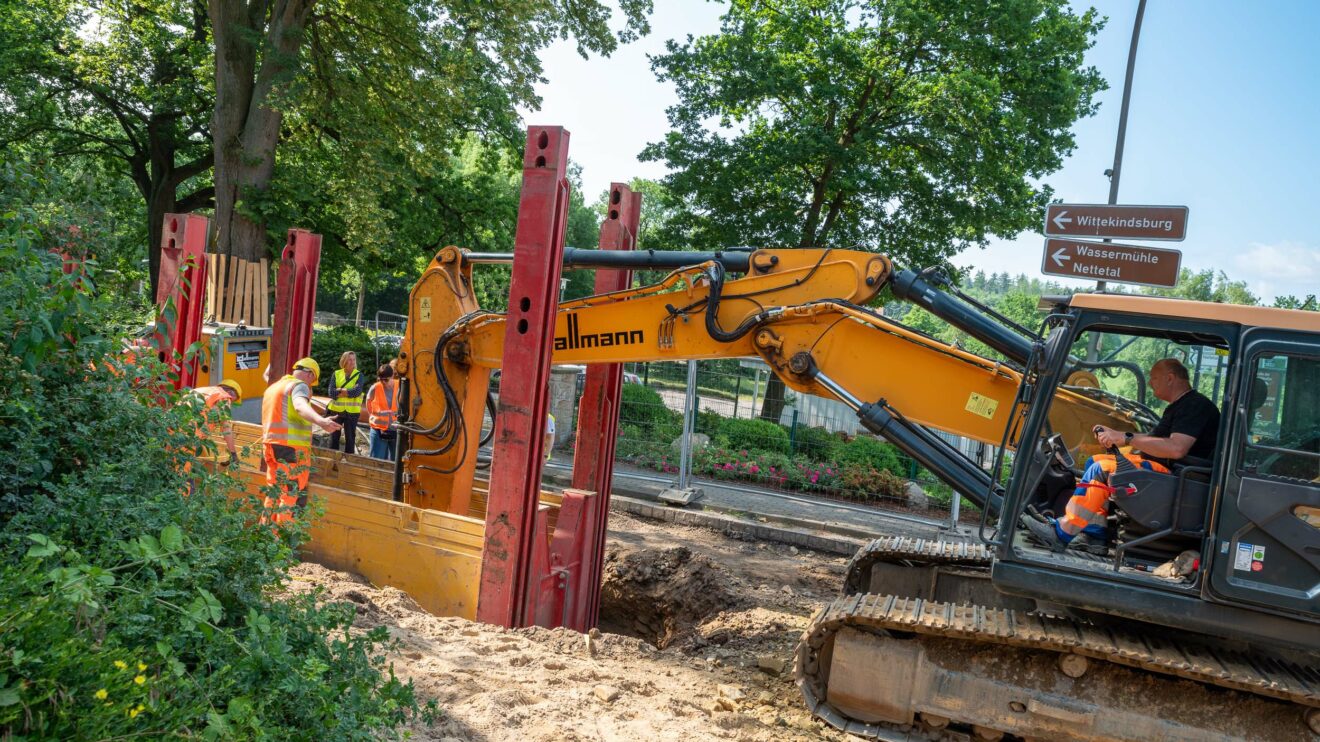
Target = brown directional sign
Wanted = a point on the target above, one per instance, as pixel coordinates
(1119, 221)
(1107, 261)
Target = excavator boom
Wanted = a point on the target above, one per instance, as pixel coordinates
(776, 311)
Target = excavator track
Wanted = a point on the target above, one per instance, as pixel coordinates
(866, 621)
(908, 551)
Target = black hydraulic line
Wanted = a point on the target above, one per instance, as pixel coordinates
(934, 453)
(931, 451)
(914, 287)
(734, 261)
(403, 439)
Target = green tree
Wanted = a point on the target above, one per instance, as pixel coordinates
(912, 127)
(381, 90)
(1208, 285)
(1292, 302)
(122, 86)
(129, 609)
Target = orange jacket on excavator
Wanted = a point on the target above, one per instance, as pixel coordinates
(1088, 509)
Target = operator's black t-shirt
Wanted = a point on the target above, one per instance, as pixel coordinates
(1192, 414)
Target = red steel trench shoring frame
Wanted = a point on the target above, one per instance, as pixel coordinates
(598, 412)
(181, 287)
(295, 301)
(511, 588)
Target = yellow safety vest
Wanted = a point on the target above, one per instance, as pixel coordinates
(280, 422)
(346, 404)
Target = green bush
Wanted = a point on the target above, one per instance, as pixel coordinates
(867, 451)
(329, 345)
(764, 435)
(644, 409)
(127, 607)
(708, 422)
(818, 444)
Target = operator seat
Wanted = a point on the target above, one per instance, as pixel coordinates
(1161, 515)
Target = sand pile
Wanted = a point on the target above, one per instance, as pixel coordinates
(728, 614)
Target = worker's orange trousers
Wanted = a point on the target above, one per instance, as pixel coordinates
(294, 466)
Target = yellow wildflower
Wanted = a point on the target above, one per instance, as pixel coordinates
(141, 667)
(101, 694)
(134, 712)
(122, 665)
(140, 679)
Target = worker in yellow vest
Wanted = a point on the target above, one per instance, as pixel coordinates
(382, 409)
(228, 392)
(345, 406)
(287, 416)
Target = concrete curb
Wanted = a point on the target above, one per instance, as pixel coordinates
(644, 500)
(828, 543)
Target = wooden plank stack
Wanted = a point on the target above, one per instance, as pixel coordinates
(238, 290)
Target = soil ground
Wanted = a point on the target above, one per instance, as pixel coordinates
(696, 642)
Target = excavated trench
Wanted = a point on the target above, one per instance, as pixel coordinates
(660, 594)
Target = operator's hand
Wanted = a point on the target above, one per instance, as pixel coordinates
(342, 393)
(328, 425)
(1109, 437)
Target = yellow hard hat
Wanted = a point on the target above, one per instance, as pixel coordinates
(238, 390)
(311, 365)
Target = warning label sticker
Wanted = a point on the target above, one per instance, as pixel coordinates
(981, 405)
(1242, 560)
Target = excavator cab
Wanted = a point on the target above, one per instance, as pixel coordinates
(1250, 512)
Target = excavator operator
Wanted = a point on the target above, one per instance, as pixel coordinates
(1187, 431)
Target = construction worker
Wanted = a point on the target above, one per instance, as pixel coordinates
(230, 393)
(287, 416)
(1189, 426)
(549, 435)
(382, 407)
(346, 386)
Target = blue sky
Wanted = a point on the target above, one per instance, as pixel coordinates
(1224, 118)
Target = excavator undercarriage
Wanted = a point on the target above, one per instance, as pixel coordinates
(962, 660)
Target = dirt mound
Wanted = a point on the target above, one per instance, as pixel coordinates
(661, 594)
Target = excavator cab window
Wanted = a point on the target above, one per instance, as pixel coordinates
(1169, 516)
(1283, 421)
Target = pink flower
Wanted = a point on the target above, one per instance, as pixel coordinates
(813, 477)
(753, 468)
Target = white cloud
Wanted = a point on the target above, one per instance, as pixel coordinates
(1278, 269)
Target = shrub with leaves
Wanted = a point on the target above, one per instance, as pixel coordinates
(764, 435)
(329, 345)
(644, 410)
(866, 451)
(129, 607)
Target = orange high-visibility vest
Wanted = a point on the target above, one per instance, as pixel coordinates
(1089, 505)
(383, 404)
(280, 422)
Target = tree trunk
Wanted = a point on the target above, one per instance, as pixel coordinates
(772, 406)
(159, 203)
(246, 127)
(362, 300)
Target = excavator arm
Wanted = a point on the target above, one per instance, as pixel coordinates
(802, 311)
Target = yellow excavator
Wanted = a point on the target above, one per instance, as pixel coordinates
(998, 636)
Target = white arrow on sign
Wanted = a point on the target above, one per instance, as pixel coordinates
(1059, 257)
(1059, 221)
